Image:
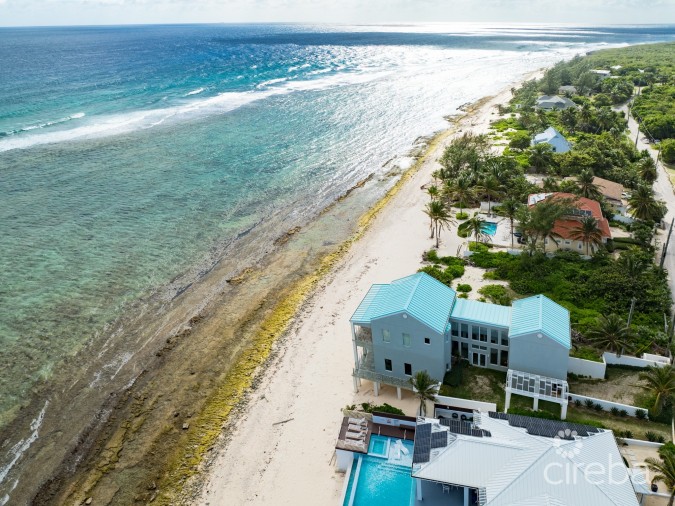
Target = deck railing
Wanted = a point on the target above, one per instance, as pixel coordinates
(370, 375)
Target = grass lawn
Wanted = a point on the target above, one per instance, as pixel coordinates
(488, 386)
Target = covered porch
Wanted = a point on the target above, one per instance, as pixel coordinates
(431, 493)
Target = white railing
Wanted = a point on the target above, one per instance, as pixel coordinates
(381, 378)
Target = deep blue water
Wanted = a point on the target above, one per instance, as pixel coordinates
(134, 156)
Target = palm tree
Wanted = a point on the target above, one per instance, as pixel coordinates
(647, 170)
(664, 468)
(475, 226)
(660, 382)
(537, 223)
(633, 262)
(491, 188)
(439, 216)
(425, 389)
(509, 209)
(541, 157)
(460, 190)
(586, 187)
(611, 333)
(433, 192)
(588, 232)
(644, 206)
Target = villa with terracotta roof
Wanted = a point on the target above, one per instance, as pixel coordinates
(565, 228)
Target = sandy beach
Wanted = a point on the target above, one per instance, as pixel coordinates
(278, 451)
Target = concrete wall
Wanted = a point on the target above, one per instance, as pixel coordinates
(433, 357)
(343, 460)
(466, 403)
(612, 359)
(607, 405)
(584, 367)
(538, 355)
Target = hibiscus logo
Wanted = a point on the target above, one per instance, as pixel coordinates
(564, 447)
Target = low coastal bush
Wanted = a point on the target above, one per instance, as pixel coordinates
(463, 296)
(640, 414)
(462, 216)
(369, 407)
(479, 246)
(464, 287)
(651, 436)
(586, 353)
(497, 294)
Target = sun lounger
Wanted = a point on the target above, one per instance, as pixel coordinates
(359, 436)
(355, 428)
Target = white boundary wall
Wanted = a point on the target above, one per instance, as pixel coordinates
(645, 361)
(607, 405)
(597, 370)
(466, 403)
(584, 367)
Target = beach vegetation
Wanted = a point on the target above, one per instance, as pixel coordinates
(439, 217)
(667, 149)
(463, 287)
(588, 232)
(497, 294)
(611, 333)
(476, 227)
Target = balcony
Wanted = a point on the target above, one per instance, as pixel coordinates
(370, 375)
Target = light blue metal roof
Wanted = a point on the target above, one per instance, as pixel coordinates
(482, 312)
(540, 314)
(420, 295)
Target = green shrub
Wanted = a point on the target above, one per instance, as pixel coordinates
(577, 403)
(614, 410)
(589, 403)
(430, 256)
(463, 287)
(462, 216)
(479, 246)
(640, 414)
(381, 408)
(623, 413)
(586, 353)
(498, 294)
(627, 434)
(651, 436)
(668, 150)
(598, 407)
(660, 439)
(463, 296)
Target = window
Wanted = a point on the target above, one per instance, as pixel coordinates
(386, 336)
(567, 243)
(427, 340)
(408, 369)
(455, 328)
(494, 336)
(474, 332)
(465, 350)
(505, 338)
(406, 340)
(579, 245)
(504, 359)
(387, 364)
(465, 331)
(483, 334)
(494, 356)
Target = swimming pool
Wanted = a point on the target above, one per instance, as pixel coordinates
(490, 228)
(381, 478)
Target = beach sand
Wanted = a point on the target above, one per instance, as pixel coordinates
(278, 450)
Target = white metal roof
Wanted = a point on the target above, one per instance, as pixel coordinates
(514, 468)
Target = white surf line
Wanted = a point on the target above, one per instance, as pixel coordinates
(20, 448)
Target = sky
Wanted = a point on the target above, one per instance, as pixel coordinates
(104, 12)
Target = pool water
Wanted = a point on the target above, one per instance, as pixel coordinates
(383, 476)
(490, 228)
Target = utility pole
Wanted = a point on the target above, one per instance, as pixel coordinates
(665, 246)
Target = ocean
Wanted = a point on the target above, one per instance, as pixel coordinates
(135, 159)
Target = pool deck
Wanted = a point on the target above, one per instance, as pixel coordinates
(378, 429)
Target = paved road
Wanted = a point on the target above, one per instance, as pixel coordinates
(664, 191)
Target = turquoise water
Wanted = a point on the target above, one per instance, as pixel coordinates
(383, 479)
(490, 228)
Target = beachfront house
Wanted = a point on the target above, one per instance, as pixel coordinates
(417, 323)
(551, 102)
(565, 229)
(615, 196)
(508, 460)
(553, 138)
